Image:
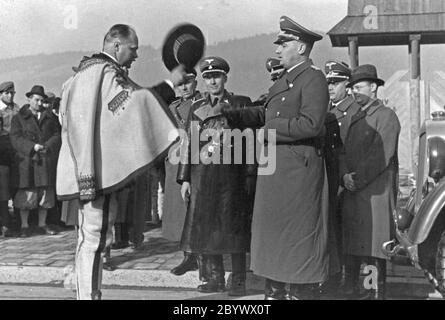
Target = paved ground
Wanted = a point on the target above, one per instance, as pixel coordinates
(48, 260)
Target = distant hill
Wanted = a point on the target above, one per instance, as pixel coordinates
(246, 57)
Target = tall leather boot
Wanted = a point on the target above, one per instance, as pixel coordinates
(306, 291)
(96, 295)
(121, 236)
(352, 275)
(125, 234)
(188, 264)
(238, 285)
(203, 267)
(217, 282)
(274, 290)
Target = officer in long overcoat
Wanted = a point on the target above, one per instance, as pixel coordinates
(341, 109)
(369, 171)
(174, 207)
(289, 226)
(218, 218)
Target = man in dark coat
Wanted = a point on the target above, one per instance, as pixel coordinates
(341, 109)
(7, 110)
(218, 218)
(289, 226)
(35, 136)
(369, 171)
(175, 207)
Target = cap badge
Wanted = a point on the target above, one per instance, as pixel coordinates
(330, 64)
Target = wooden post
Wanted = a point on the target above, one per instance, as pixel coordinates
(427, 100)
(414, 88)
(353, 52)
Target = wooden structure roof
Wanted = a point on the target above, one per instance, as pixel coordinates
(393, 22)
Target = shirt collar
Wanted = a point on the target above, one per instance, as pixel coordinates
(370, 103)
(3, 105)
(109, 55)
(334, 104)
(292, 68)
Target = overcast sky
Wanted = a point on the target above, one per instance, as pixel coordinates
(46, 26)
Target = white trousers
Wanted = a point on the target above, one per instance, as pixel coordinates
(96, 220)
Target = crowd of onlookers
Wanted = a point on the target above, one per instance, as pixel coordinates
(30, 139)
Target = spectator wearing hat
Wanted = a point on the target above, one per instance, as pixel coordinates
(289, 226)
(369, 170)
(56, 106)
(54, 214)
(48, 102)
(7, 110)
(175, 208)
(217, 221)
(35, 136)
(341, 109)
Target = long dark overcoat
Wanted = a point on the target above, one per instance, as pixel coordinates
(218, 218)
(337, 125)
(35, 170)
(371, 152)
(173, 215)
(289, 226)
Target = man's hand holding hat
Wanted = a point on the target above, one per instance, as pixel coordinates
(178, 75)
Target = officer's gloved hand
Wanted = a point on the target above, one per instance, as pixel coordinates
(261, 99)
(232, 115)
(178, 75)
(222, 108)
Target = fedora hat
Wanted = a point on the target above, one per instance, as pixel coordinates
(184, 44)
(37, 90)
(365, 72)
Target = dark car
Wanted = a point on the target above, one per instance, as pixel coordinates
(420, 236)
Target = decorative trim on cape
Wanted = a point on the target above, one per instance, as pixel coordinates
(87, 187)
(118, 102)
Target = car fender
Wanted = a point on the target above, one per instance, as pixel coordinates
(427, 214)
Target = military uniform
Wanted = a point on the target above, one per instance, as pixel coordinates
(337, 124)
(217, 221)
(289, 226)
(175, 208)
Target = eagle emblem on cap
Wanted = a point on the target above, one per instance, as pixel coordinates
(330, 64)
(209, 61)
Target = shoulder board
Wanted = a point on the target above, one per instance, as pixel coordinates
(177, 101)
(199, 101)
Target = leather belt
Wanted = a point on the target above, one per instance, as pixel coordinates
(312, 142)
